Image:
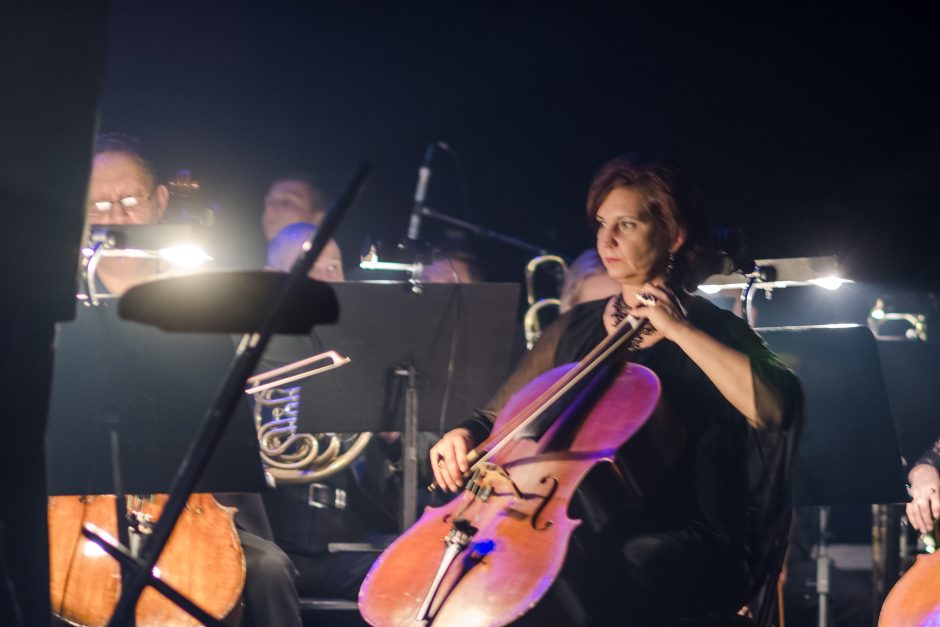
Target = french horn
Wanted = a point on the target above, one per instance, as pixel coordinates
(290, 456)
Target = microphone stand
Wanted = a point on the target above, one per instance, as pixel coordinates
(483, 232)
(216, 420)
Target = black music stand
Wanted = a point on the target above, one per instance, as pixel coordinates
(151, 388)
(447, 347)
(848, 452)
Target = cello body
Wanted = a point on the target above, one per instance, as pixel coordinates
(520, 539)
(203, 560)
(914, 601)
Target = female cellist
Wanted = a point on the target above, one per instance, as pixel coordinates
(702, 542)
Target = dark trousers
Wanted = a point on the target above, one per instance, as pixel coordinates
(651, 580)
(333, 575)
(270, 593)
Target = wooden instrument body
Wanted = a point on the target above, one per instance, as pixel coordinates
(914, 601)
(203, 560)
(520, 543)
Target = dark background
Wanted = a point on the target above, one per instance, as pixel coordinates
(814, 128)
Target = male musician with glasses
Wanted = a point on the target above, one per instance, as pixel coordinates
(123, 189)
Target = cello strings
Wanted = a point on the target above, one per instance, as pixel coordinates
(533, 410)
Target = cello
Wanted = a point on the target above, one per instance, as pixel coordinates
(203, 560)
(915, 599)
(506, 536)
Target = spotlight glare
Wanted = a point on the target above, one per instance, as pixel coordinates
(91, 549)
(185, 256)
(709, 289)
(830, 282)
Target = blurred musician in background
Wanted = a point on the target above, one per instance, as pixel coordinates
(123, 189)
(451, 262)
(285, 246)
(291, 198)
(353, 506)
(586, 280)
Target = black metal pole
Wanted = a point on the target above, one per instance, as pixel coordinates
(219, 413)
(129, 562)
(485, 233)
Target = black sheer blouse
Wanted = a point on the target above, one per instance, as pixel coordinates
(931, 456)
(731, 485)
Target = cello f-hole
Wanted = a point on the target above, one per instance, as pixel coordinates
(545, 500)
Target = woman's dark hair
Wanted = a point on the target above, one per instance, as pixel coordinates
(670, 197)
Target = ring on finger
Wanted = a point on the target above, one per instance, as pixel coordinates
(440, 462)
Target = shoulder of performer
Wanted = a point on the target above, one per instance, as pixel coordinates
(778, 391)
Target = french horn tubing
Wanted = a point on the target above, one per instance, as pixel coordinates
(291, 457)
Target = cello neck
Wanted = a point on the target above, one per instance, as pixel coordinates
(624, 334)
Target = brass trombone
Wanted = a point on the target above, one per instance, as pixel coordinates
(532, 321)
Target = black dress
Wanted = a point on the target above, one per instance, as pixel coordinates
(931, 456)
(703, 541)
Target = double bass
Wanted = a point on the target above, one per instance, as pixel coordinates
(203, 560)
(506, 536)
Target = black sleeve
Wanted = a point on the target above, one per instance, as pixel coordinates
(931, 456)
(778, 394)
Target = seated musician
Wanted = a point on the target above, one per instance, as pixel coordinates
(924, 509)
(123, 190)
(291, 198)
(586, 280)
(702, 543)
(349, 507)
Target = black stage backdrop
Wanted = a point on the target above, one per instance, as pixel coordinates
(814, 127)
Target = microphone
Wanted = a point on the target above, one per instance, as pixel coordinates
(424, 175)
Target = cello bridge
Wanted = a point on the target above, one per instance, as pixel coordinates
(489, 478)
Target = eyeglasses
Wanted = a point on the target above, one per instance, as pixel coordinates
(128, 202)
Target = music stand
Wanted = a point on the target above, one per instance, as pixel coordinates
(848, 451)
(446, 347)
(149, 386)
(212, 428)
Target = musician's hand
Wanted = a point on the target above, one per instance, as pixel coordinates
(449, 459)
(667, 315)
(924, 508)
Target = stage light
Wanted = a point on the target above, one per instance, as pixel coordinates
(829, 282)
(186, 256)
(709, 289)
(776, 273)
(888, 324)
(176, 244)
(91, 549)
